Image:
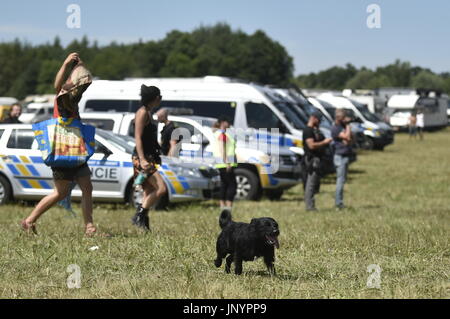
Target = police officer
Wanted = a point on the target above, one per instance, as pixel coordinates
(314, 144)
(225, 157)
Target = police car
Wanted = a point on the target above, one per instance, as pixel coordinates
(254, 176)
(23, 174)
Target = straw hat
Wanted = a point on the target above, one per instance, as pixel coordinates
(79, 78)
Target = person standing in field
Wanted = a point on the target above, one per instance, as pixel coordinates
(168, 142)
(342, 137)
(314, 144)
(225, 156)
(146, 156)
(412, 125)
(420, 123)
(71, 81)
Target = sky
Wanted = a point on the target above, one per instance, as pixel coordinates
(318, 34)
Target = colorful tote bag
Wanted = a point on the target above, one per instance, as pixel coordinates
(65, 142)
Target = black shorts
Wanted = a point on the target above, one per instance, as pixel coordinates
(70, 173)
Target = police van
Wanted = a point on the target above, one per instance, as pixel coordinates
(23, 174)
(248, 105)
(378, 133)
(264, 167)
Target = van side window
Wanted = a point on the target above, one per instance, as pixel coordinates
(205, 108)
(21, 139)
(259, 116)
(196, 137)
(108, 105)
(104, 124)
(1, 133)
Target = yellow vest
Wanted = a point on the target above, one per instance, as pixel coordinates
(230, 150)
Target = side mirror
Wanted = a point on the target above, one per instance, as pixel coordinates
(106, 152)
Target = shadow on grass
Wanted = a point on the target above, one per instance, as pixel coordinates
(265, 274)
(356, 171)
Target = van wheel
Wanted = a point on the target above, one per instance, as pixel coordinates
(5, 190)
(248, 186)
(368, 144)
(274, 194)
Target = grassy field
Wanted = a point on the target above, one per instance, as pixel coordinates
(398, 218)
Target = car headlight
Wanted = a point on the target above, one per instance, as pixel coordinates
(183, 171)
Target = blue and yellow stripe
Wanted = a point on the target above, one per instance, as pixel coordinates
(23, 167)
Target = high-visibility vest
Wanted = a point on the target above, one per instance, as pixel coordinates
(230, 150)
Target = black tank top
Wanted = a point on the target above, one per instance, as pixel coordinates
(149, 139)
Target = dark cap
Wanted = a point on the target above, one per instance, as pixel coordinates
(317, 114)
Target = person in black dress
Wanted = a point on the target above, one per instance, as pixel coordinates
(146, 156)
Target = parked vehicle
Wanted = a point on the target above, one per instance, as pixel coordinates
(378, 133)
(357, 128)
(448, 110)
(248, 105)
(432, 103)
(296, 100)
(254, 152)
(36, 112)
(23, 174)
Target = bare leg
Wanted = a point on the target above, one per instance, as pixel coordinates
(62, 189)
(154, 189)
(86, 201)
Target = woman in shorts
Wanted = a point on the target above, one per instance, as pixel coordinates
(146, 155)
(71, 81)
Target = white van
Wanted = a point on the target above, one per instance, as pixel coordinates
(434, 108)
(36, 112)
(357, 128)
(378, 133)
(248, 105)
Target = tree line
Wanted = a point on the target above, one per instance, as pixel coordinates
(397, 74)
(208, 50)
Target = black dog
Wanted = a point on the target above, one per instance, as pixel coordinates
(245, 242)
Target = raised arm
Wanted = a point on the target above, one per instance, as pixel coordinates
(62, 73)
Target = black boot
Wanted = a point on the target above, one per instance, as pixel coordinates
(141, 218)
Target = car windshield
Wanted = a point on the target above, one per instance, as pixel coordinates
(325, 122)
(299, 111)
(332, 111)
(369, 116)
(290, 115)
(122, 142)
(307, 108)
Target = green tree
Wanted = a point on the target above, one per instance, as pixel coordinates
(428, 80)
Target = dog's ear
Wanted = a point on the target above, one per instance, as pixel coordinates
(254, 221)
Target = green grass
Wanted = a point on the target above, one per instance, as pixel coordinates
(398, 218)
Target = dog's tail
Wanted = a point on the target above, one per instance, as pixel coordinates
(225, 218)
